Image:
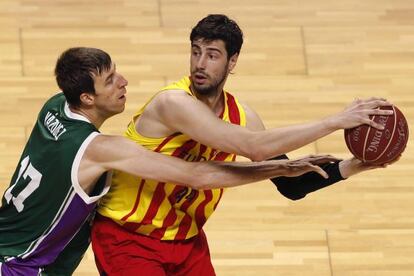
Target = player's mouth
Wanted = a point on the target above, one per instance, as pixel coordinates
(199, 78)
(122, 97)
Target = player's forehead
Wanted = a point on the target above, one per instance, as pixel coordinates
(203, 43)
(105, 73)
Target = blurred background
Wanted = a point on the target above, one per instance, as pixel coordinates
(301, 61)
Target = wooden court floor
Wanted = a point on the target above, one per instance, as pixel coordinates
(301, 61)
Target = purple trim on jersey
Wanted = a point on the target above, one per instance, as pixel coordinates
(12, 270)
(47, 250)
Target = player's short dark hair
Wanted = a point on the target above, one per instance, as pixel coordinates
(219, 26)
(74, 70)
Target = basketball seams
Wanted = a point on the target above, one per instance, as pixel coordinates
(365, 142)
(349, 144)
(392, 136)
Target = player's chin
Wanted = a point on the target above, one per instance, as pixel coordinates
(118, 109)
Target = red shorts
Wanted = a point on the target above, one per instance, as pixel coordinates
(121, 252)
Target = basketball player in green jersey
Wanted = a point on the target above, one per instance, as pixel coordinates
(63, 169)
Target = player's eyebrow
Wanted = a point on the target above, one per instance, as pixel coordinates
(209, 48)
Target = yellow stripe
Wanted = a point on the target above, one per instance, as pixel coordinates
(191, 211)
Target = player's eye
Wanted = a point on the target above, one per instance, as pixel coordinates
(109, 81)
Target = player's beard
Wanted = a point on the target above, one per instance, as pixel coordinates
(212, 88)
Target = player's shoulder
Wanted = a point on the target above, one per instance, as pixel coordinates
(104, 140)
(102, 147)
(172, 97)
(253, 120)
(246, 107)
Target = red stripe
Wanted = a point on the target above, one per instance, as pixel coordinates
(170, 218)
(218, 200)
(165, 141)
(234, 113)
(203, 149)
(221, 156)
(186, 221)
(212, 153)
(200, 216)
(182, 151)
(136, 201)
(157, 198)
(234, 116)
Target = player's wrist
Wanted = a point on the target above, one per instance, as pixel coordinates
(331, 123)
(349, 167)
(345, 168)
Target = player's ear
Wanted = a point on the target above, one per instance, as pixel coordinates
(86, 98)
(233, 61)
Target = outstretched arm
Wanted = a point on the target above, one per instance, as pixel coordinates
(113, 152)
(179, 112)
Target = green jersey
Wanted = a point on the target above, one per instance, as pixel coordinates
(45, 207)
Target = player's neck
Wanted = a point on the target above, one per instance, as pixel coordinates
(214, 101)
(89, 114)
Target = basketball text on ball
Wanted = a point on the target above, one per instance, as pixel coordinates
(355, 137)
(401, 138)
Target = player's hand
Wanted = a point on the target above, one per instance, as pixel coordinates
(307, 164)
(354, 166)
(319, 159)
(367, 166)
(359, 112)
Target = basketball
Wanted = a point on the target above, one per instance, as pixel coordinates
(377, 147)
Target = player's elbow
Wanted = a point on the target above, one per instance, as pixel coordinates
(201, 176)
(214, 175)
(252, 151)
(258, 156)
(203, 182)
(255, 152)
(256, 149)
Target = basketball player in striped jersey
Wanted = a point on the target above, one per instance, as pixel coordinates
(62, 173)
(148, 227)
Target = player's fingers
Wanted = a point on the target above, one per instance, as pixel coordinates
(319, 170)
(373, 124)
(376, 99)
(379, 112)
(322, 159)
(377, 103)
(315, 157)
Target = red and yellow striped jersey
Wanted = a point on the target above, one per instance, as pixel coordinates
(165, 210)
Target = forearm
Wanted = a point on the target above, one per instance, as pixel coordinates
(277, 141)
(229, 174)
(211, 175)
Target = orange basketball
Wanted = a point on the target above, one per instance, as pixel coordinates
(376, 146)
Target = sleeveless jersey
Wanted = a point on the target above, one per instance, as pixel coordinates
(44, 206)
(167, 211)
